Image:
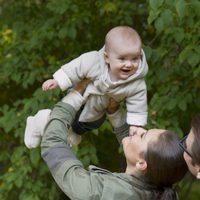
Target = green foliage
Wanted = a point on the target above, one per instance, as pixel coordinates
(37, 37)
(174, 60)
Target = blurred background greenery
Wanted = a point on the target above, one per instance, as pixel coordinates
(38, 36)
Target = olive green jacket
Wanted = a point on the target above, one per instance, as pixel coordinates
(69, 173)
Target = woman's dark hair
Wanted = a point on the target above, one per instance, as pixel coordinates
(195, 150)
(165, 164)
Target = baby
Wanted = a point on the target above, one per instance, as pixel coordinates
(116, 71)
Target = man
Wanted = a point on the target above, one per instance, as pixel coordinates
(191, 146)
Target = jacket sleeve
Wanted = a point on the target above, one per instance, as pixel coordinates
(118, 122)
(121, 132)
(66, 169)
(137, 105)
(85, 66)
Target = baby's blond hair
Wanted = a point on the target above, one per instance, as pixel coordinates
(123, 33)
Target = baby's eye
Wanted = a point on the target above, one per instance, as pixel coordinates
(136, 59)
(121, 59)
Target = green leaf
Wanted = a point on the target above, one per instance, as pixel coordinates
(94, 159)
(185, 53)
(179, 34)
(180, 8)
(153, 15)
(63, 33)
(19, 182)
(193, 59)
(155, 4)
(195, 7)
(35, 157)
(86, 160)
(59, 7)
(159, 25)
(196, 72)
(27, 196)
(110, 7)
(171, 104)
(71, 32)
(167, 17)
(182, 104)
(148, 52)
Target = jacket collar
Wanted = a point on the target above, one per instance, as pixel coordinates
(137, 182)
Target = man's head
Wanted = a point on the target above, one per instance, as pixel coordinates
(122, 52)
(192, 146)
(156, 156)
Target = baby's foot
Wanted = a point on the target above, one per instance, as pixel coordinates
(34, 128)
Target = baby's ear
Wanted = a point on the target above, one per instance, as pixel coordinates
(141, 165)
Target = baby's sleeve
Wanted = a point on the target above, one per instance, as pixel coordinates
(86, 65)
(137, 106)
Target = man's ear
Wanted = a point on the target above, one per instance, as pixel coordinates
(105, 56)
(198, 174)
(141, 165)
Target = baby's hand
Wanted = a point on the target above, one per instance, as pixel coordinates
(82, 85)
(49, 84)
(136, 130)
(113, 106)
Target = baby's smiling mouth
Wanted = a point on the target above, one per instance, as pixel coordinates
(125, 70)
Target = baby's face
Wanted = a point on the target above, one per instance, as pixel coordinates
(123, 58)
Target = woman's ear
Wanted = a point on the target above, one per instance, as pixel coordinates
(141, 165)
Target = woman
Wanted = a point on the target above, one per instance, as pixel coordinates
(154, 161)
(191, 147)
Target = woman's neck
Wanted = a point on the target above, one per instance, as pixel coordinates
(131, 170)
